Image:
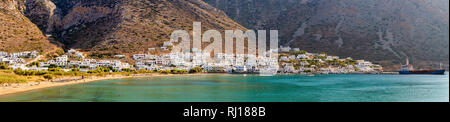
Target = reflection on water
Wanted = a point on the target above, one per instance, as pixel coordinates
(251, 88)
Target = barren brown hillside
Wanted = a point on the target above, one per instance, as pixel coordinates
(111, 27)
(17, 33)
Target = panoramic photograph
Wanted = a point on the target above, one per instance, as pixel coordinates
(224, 51)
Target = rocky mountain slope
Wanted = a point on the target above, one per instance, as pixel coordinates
(122, 26)
(385, 31)
(17, 32)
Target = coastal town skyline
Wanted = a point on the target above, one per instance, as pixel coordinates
(187, 61)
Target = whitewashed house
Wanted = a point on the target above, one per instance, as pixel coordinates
(17, 55)
(288, 68)
(251, 61)
(304, 63)
(2, 59)
(119, 56)
(285, 49)
(89, 60)
(149, 62)
(240, 60)
(240, 69)
(44, 64)
(151, 68)
(167, 44)
(165, 62)
(150, 57)
(292, 57)
(92, 66)
(104, 63)
(229, 60)
(79, 55)
(322, 54)
(364, 66)
(330, 58)
(284, 58)
(72, 51)
(303, 56)
(219, 57)
(119, 65)
(38, 68)
(34, 54)
(319, 60)
(16, 60)
(19, 66)
(76, 63)
(3, 54)
(62, 58)
(138, 56)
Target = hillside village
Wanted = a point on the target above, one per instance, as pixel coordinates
(288, 61)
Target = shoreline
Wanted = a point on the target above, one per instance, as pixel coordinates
(25, 87)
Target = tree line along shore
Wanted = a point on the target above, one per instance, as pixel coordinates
(8, 75)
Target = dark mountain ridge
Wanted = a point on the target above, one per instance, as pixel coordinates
(384, 31)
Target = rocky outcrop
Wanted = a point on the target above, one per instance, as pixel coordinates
(42, 13)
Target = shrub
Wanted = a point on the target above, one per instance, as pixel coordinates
(159, 44)
(52, 66)
(115, 70)
(75, 70)
(178, 71)
(127, 70)
(8, 78)
(60, 52)
(196, 70)
(48, 76)
(3, 65)
(57, 69)
(164, 71)
(144, 71)
(58, 73)
(94, 71)
(34, 63)
(19, 71)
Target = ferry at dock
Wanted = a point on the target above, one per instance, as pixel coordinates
(408, 69)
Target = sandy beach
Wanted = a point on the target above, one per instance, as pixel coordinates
(6, 89)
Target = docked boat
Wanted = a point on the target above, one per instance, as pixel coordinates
(408, 69)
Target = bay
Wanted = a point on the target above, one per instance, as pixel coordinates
(250, 88)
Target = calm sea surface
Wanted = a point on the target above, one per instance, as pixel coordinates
(251, 88)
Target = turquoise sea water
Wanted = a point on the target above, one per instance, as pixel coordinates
(251, 88)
